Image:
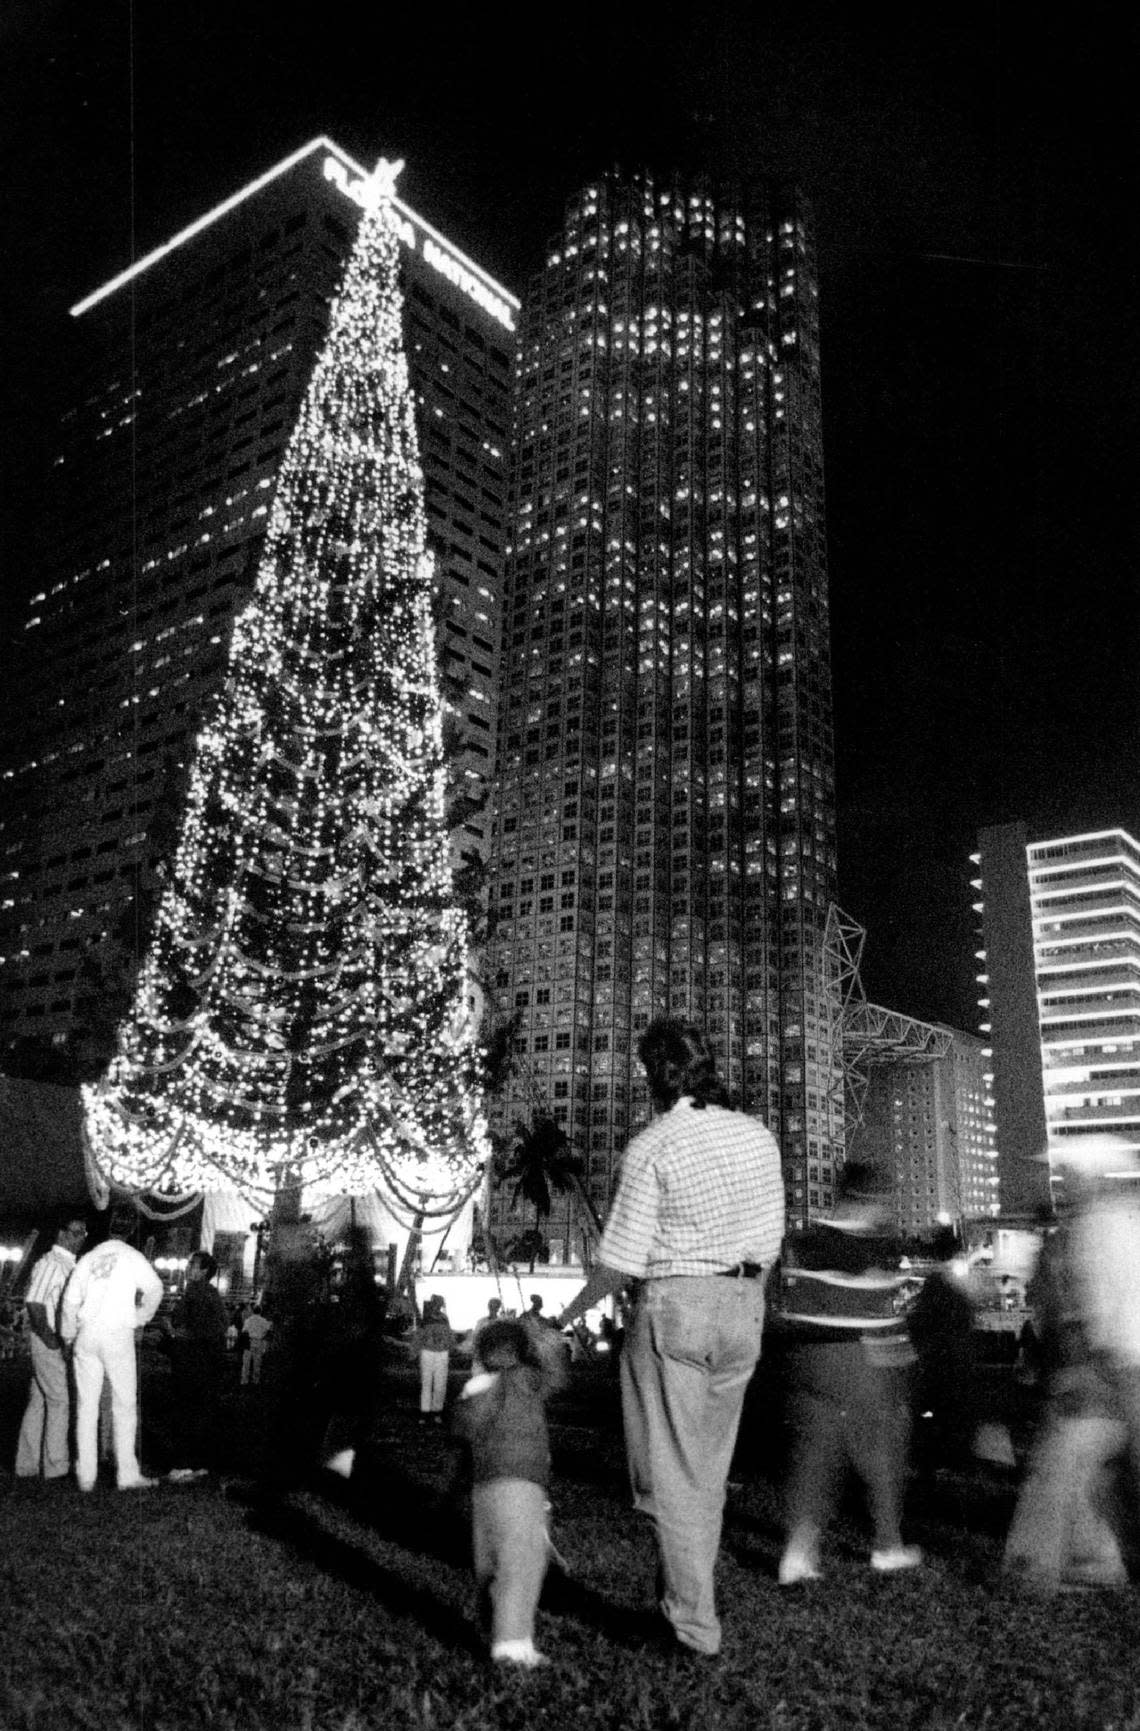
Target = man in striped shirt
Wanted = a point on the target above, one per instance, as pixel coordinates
(697, 1223)
(43, 1445)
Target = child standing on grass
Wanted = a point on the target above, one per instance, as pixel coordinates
(501, 1417)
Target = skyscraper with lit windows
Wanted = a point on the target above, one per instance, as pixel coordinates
(664, 839)
(1060, 979)
(186, 374)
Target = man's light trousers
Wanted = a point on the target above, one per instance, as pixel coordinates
(688, 1357)
(110, 1355)
(42, 1447)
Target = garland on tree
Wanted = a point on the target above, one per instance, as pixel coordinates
(302, 1007)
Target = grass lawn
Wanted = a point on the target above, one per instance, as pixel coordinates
(241, 1607)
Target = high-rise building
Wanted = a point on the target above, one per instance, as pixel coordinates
(1061, 976)
(664, 835)
(929, 1124)
(186, 374)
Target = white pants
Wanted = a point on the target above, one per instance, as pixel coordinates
(433, 1380)
(42, 1447)
(251, 1360)
(111, 1356)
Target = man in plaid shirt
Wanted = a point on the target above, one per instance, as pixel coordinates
(697, 1222)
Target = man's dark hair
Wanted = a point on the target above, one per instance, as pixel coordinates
(678, 1064)
(65, 1217)
(203, 1260)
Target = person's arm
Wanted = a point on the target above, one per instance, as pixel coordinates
(148, 1296)
(602, 1282)
(69, 1305)
(40, 1324)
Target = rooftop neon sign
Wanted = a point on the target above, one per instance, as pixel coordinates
(419, 236)
(416, 234)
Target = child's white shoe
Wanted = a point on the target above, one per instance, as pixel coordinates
(518, 1653)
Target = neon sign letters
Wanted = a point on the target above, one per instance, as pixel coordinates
(431, 248)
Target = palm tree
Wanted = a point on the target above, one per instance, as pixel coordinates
(540, 1165)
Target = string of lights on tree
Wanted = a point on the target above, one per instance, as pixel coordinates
(300, 1016)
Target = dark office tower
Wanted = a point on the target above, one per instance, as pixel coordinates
(186, 375)
(664, 836)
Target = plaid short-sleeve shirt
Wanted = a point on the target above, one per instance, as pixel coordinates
(700, 1190)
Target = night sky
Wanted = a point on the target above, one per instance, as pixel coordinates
(975, 191)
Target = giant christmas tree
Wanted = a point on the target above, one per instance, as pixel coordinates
(300, 1014)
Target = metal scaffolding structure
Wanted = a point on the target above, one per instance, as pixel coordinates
(863, 1033)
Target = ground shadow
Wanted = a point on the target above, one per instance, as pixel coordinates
(283, 1520)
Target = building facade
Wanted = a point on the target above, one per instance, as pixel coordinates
(188, 371)
(1061, 960)
(664, 837)
(930, 1125)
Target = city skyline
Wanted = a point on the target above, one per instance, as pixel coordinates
(972, 227)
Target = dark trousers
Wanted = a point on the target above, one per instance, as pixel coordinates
(199, 1388)
(862, 1426)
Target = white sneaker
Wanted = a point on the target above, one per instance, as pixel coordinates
(899, 1557)
(140, 1484)
(523, 1653)
(341, 1463)
(795, 1569)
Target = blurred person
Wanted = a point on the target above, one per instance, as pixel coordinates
(432, 1342)
(848, 1360)
(348, 1345)
(941, 1323)
(696, 1223)
(500, 1416)
(1107, 1249)
(1084, 1299)
(112, 1293)
(198, 1355)
(43, 1446)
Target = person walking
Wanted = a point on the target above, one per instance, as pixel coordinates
(1083, 1293)
(112, 1292)
(849, 1360)
(696, 1223)
(500, 1416)
(42, 1449)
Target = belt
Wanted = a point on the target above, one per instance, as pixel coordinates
(743, 1271)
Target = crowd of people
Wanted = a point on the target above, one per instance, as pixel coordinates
(84, 1316)
(695, 1240)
